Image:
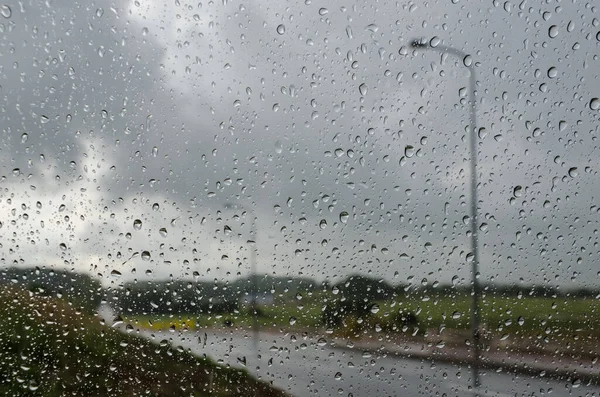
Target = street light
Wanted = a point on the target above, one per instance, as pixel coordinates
(474, 240)
(253, 303)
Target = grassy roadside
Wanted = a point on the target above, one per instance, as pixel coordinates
(532, 323)
(48, 348)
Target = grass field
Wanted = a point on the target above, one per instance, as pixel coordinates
(499, 315)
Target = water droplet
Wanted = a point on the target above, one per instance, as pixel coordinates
(323, 11)
(518, 191)
(63, 246)
(99, 12)
(595, 104)
(321, 342)
(115, 274)
(374, 308)
(468, 60)
(137, 224)
(409, 151)
(573, 172)
(281, 29)
(349, 32)
(323, 224)
(146, 255)
(435, 41)
(292, 320)
(155, 207)
(363, 89)
(5, 11)
(338, 376)
(456, 315)
(552, 72)
(553, 31)
(521, 321)
(562, 125)
(44, 119)
(344, 217)
(372, 28)
(162, 231)
(24, 137)
(154, 151)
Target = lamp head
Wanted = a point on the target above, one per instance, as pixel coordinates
(418, 43)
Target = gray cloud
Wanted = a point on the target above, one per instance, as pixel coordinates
(190, 107)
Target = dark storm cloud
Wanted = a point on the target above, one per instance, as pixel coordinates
(194, 106)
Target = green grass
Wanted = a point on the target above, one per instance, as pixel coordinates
(502, 314)
(537, 321)
(48, 348)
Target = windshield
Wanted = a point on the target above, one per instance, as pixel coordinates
(299, 198)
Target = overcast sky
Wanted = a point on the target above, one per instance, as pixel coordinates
(349, 148)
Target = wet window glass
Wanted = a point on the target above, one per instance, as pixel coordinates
(392, 198)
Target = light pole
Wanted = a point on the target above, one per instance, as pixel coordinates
(474, 223)
(253, 276)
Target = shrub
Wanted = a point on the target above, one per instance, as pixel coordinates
(406, 321)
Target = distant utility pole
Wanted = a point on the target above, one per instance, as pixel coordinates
(253, 275)
(421, 44)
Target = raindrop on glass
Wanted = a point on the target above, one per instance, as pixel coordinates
(5, 11)
(573, 172)
(344, 217)
(363, 89)
(518, 191)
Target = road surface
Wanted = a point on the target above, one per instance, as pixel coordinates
(307, 366)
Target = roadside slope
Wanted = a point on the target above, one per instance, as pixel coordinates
(48, 348)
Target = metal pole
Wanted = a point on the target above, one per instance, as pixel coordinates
(474, 221)
(253, 276)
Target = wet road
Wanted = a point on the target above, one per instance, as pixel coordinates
(305, 366)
